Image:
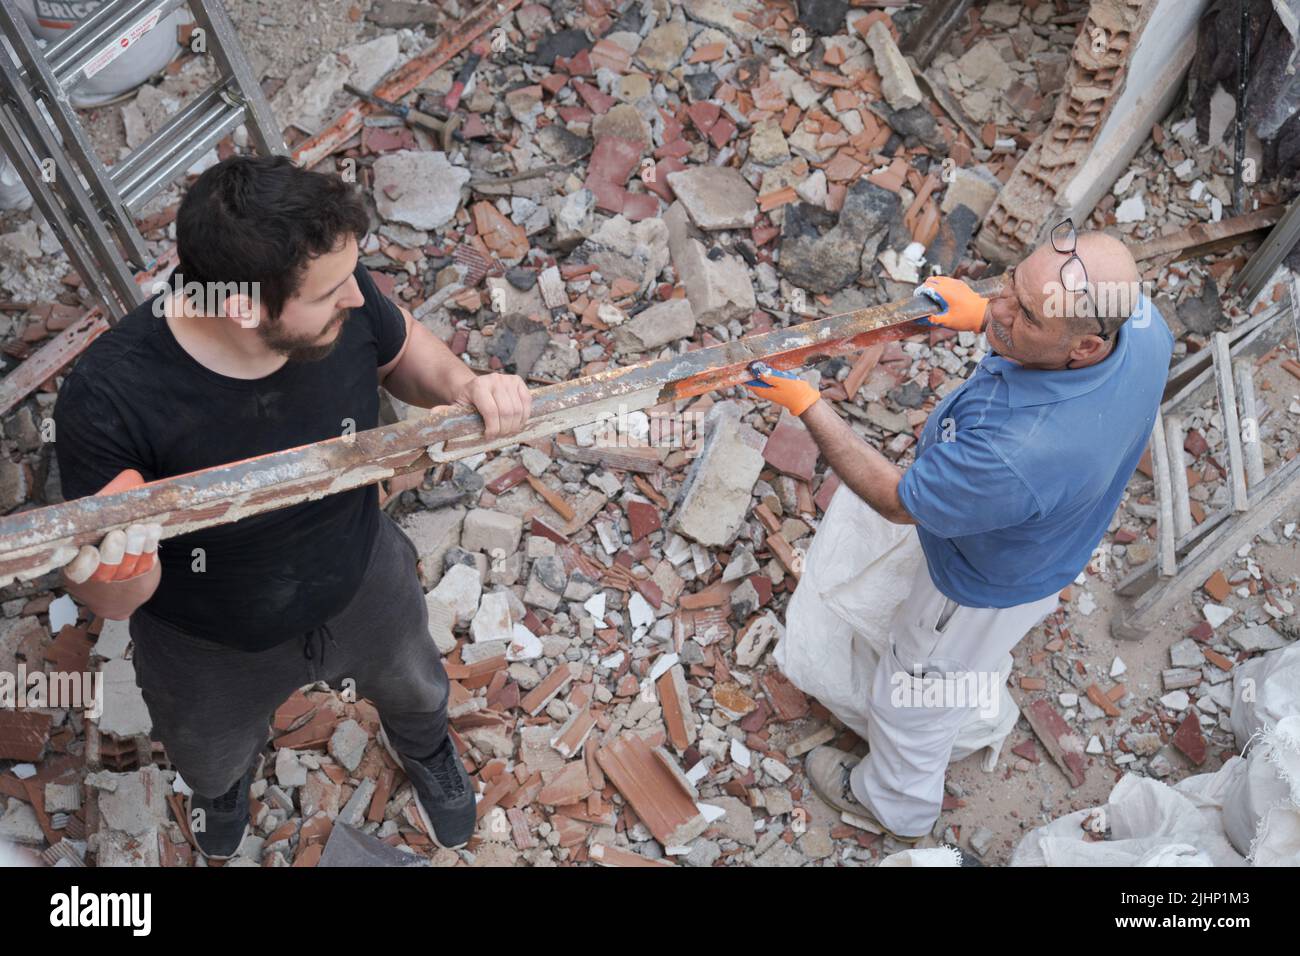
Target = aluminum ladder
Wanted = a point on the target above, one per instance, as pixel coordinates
(90, 206)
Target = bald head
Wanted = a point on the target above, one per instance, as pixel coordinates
(1113, 280)
(1038, 321)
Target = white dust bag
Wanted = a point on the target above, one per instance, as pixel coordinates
(925, 856)
(1261, 813)
(856, 574)
(1150, 823)
(1264, 690)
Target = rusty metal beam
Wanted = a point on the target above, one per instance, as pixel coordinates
(46, 361)
(50, 358)
(40, 540)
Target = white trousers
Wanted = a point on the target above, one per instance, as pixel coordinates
(943, 660)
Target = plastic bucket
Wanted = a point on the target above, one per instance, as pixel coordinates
(142, 50)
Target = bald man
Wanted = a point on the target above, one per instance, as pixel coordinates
(1017, 475)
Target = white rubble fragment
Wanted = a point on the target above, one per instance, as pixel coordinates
(1176, 700)
(63, 611)
(662, 665)
(595, 606)
(1133, 209)
(524, 645)
(740, 754)
(1216, 614)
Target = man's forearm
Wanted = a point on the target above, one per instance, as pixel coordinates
(869, 474)
(442, 378)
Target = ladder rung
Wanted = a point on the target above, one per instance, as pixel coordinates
(169, 165)
(195, 114)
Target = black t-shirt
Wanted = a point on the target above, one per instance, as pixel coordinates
(136, 399)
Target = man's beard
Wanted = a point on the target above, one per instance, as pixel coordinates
(299, 348)
(994, 334)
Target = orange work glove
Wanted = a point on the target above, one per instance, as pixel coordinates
(960, 307)
(784, 388)
(122, 554)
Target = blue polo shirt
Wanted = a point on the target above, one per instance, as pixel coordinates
(1019, 471)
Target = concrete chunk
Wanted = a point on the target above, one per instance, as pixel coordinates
(896, 80)
(417, 187)
(715, 498)
(433, 533)
(489, 531)
(716, 197)
(718, 289)
(459, 590)
(657, 326)
(493, 620)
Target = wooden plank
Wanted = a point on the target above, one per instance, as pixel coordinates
(1278, 494)
(1260, 267)
(1175, 436)
(45, 362)
(50, 358)
(1231, 426)
(404, 79)
(1252, 445)
(1165, 495)
(933, 28)
(1206, 237)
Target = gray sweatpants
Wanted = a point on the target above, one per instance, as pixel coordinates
(212, 705)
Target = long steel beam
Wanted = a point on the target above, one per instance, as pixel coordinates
(34, 542)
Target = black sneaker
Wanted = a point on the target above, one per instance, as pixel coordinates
(444, 795)
(225, 820)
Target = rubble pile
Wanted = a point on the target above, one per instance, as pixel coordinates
(631, 182)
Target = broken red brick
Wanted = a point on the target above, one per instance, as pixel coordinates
(642, 517)
(1026, 749)
(540, 696)
(1063, 745)
(596, 101)
(652, 783)
(1195, 444)
(791, 450)
(704, 114)
(1189, 739)
(789, 701)
(1098, 697)
(569, 785)
(1217, 587)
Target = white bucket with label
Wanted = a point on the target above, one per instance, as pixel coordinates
(140, 51)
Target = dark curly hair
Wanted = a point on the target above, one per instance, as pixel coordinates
(261, 219)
